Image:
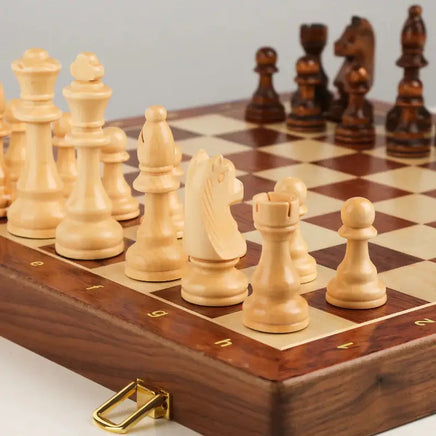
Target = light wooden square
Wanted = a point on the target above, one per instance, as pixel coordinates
(417, 208)
(213, 124)
(115, 272)
(306, 150)
(413, 179)
(316, 237)
(212, 145)
(311, 175)
(321, 324)
(418, 280)
(318, 204)
(381, 153)
(32, 243)
(419, 241)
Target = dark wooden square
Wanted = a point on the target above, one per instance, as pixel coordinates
(254, 160)
(254, 184)
(173, 294)
(396, 302)
(430, 193)
(383, 222)
(252, 257)
(359, 188)
(258, 137)
(383, 258)
(243, 214)
(359, 164)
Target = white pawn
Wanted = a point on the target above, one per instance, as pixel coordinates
(303, 261)
(15, 155)
(176, 205)
(4, 131)
(275, 305)
(356, 284)
(124, 206)
(66, 162)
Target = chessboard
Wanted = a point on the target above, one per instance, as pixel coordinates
(359, 371)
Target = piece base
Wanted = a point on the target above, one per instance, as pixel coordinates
(269, 113)
(153, 276)
(355, 136)
(309, 277)
(126, 216)
(30, 233)
(214, 301)
(276, 328)
(412, 150)
(349, 304)
(101, 253)
(306, 124)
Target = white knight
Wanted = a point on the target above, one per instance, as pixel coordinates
(212, 239)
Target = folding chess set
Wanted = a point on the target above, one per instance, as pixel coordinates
(101, 313)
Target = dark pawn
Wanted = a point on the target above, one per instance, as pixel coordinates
(265, 106)
(313, 38)
(306, 111)
(356, 127)
(356, 45)
(409, 123)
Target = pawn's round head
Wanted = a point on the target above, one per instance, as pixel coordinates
(118, 140)
(63, 125)
(415, 11)
(307, 65)
(358, 213)
(266, 56)
(292, 186)
(156, 114)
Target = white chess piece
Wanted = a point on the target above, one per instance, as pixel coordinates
(303, 261)
(39, 204)
(16, 152)
(124, 206)
(275, 305)
(356, 284)
(88, 230)
(4, 131)
(177, 213)
(66, 161)
(211, 237)
(157, 255)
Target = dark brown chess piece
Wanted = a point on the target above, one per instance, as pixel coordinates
(409, 123)
(306, 112)
(356, 127)
(265, 106)
(313, 38)
(357, 45)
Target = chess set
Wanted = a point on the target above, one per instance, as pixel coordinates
(102, 316)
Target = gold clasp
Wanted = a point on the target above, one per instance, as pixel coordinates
(155, 404)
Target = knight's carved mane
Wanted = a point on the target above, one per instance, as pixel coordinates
(216, 233)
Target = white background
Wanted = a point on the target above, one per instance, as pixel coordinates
(185, 53)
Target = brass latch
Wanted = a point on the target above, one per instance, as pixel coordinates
(154, 404)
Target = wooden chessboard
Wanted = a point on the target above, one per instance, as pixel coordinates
(349, 372)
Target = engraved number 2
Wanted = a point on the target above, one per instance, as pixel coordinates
(423, 322)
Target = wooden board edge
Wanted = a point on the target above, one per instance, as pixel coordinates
(369, 395)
